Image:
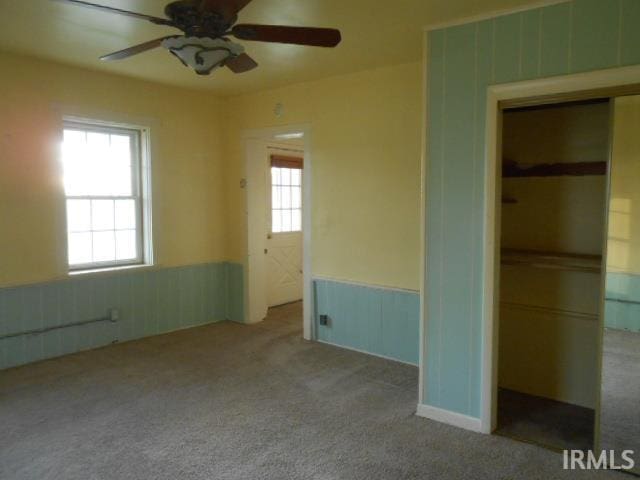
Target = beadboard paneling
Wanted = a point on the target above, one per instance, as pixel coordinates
(621, 311)
(375, 320)
(464, 60)
(150, 302)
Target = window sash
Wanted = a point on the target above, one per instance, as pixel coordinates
(135, 142)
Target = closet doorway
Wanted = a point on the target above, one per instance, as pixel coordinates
(552, 236)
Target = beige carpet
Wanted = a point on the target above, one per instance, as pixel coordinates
(230, 401)
(620, 427)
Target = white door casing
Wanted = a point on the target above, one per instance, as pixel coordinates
(255, 296)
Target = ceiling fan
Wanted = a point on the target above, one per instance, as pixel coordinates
(207, 26)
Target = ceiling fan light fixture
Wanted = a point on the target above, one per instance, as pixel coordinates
(202, 54)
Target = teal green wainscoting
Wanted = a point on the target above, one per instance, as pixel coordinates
(374, 320)
(464, 60)
(622, 302)
(150, 302)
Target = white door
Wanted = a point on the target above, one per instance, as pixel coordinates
(284, 238)
(284, 267)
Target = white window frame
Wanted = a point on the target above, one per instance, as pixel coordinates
(141, 191)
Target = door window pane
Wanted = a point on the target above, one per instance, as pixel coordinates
(286, 200)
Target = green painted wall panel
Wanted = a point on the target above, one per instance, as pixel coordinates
(461, 66)
(595, 43)
(629, 32)
(508, 45)
(555, 31)
(150, 302)
(622, 302)
(456, 227)
(531, 42)
(376, 320)
(435, 86)
(235, 292)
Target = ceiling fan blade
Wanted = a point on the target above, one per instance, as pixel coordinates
(136, 49)
(315, 37)
(241, 63)
(227, 8)
(156, 20)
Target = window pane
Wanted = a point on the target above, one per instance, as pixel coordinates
(286, 197)
(276, 221)
(126, 248)
(79, 248)
(78, 215)
(74, 145)
(286, 220)
(117, 180)
(285, 174)
(102, 215)
(296, 220)
(125, 214)
(101, 175)
(121, 149)
(275, 176)
(104, 247)
(276, 197)
(296, 176)
(296, 197)
(98, 145)
(74, 155)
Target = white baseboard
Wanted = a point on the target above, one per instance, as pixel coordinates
(450, 418)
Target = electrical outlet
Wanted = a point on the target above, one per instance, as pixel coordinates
(114, 314)
(324, 320)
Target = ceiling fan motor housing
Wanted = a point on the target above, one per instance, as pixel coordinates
(188, 16)
(202, 54)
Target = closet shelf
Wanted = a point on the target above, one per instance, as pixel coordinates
(552, 260)
(512, 169)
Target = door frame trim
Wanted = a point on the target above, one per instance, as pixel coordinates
(557, 88)
(268, 135)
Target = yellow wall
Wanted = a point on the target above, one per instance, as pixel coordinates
(623, 246)
(366, 170)
(188, 175)
(366, 167)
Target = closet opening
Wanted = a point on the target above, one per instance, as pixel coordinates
(554, 181)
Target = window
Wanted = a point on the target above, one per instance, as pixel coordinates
(104, 186)
(286, 194)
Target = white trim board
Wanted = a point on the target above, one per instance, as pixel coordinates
(450, 418)
(607, 78)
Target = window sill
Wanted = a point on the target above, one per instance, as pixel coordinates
(110, 270)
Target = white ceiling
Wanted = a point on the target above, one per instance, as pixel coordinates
(375, 33)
